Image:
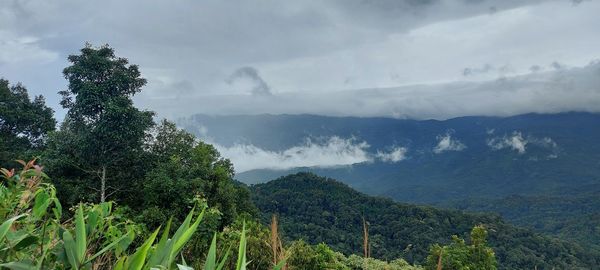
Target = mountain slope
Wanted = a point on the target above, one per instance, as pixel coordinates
(323, 210)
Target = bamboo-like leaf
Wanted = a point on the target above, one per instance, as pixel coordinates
(185, 236)
(80, 235)
(241, 260)
(137, 260)
(211, 257)
(162, 250)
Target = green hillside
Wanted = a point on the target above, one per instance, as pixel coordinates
(317, 210)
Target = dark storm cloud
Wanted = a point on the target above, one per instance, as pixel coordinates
(258, 86)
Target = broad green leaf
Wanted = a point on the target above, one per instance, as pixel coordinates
(70, 249)
(42, 201)
(6, 225)
(80, 235)
(25, 242)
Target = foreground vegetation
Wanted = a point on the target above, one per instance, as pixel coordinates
(120, 182)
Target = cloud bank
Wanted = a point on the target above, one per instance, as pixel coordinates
(574, 89)
(334, 151)
(225, 57)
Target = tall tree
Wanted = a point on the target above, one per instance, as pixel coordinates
(103, 133)
(24, 123)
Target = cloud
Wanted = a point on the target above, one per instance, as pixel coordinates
(447, 143)
(334, 151)
(250, 75)
(306, 51)
(574, 89)
(16, 49)
(514, 142)
(518, 143)
(397, 154)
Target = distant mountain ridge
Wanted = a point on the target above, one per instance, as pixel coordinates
(317, 210)
(527, 154)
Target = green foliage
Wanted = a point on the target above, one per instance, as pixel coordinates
(305, 256)
(571, 217)
(460, 256)
(322, 210)
(39, 239)
(32, 235)
(103, 132)
(24, 124)
(256, 239)
(185, 171)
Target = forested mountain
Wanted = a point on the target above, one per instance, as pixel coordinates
(574, 218)
(540, 171)
(323, 210)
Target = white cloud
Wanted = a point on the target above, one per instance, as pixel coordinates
(334, 151)
(515, 142)
(447, 143)
(518, 143)
(395, 155)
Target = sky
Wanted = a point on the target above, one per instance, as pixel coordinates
(399, 58)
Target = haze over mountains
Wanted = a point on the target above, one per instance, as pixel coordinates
(417, 161)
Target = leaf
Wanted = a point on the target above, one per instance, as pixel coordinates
(183, 267)
(25, 242)
(18, 266)
(241, 260)
(162, 250)
(136, 261)
(186, 235)
(224, 259)
(80, 235)
(6, 225)
(105, 249)
(70, 249)
(211, 258)
(279, 266)
(42, 201)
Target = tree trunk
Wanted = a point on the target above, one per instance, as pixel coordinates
(103, 185)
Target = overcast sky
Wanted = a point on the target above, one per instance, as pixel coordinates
(399, 58)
